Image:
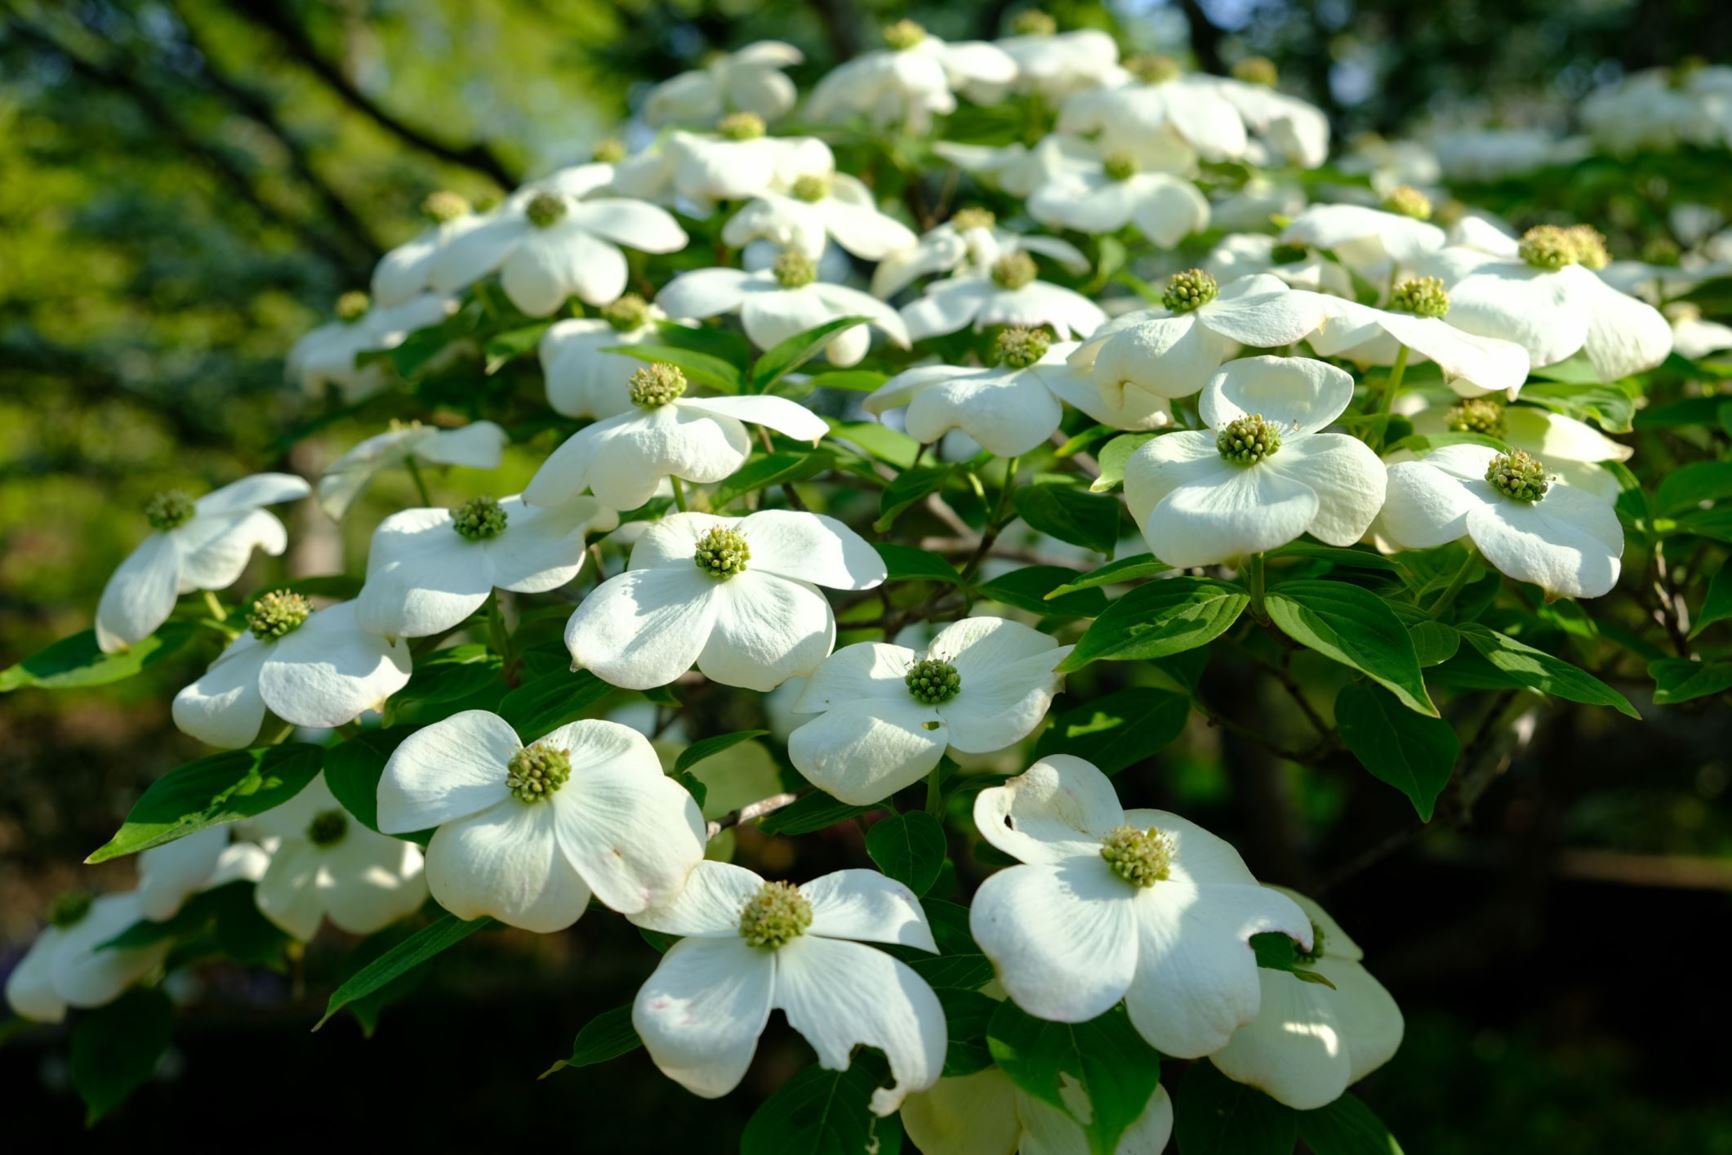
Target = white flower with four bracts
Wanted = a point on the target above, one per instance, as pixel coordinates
(528, 834)
(170, 874)
(819, 208)
(68, 964)
(1007, 292)
(887, 714)
(1417, 318)
(1129, 187)
(583, 378)
(404, 273)
(1263, 473)
(1573, 449)
(699, 170)
(477, 445)
(1248, 254)
(750, 80)
(735, 596)
(201, 544)
(1189, 109)
(972, 240)
(749, 947)
(1373, 242)
(326, 356)
(986, 1114)
(1056, 64)
(909, 83)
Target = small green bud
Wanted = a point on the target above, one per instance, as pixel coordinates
(722, 553)
(656, 385)
(1020, 346)
(812, 187)
(1248, 440)
(1518, 475)
(1421, 296)
(933, 681)
(628, 313)
(1590, 246)
(1120, 166)
(1409, 202)
(327, 828)
(903, 35)
(536, 772)
(1014, 270)
(352, 306)
(973, 217)
(278, 614)
(170, 509)
(1549, 247)
(545, 210)
(479, 519)
(794, 269)
(775, 916)
(1140, 857)
(1151, 68)
(69, 908)
(609, 150)
(1258, 70)
(443, 205)
(1189, 290)
(1476, 415)
(1033, 22)
(741, 126)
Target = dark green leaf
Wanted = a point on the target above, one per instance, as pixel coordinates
(779, 468)
(699, 368)
(353, 770)
(789, 354)
(549, 702)
(1031, 588)
(116, 1048)
(1126, 569)
(967, 1015)
(1690, 486)
(1356, 628)
(1609, 406)
(909, 848)
(1411, 752)
(1212, 1115)
(1159, 619)
(710, 747)
(1100, 1073)
(816, 811)
(820, 1112)
(1276, 952)
(463, 677)
(905, 563)
(503, 348)
(440, 935)
(1070, 513)
(605, 1037)
(1346, 558)
(1524, 666)
(76, 662)
(1716, 603)
(1680, 680)
(963, 972)
(1118, 729)
(909, 487)
(1346, 1127)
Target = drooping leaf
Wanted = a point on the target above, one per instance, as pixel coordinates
(605, 1037)
(820, 1112)
(76, 662)
(1356, 628)
(1411, 752)
(709, 747)
(699, 368)
(909, 848)
(1070, 513)
(1100, 1073)
(792, 352)
(1212, 1115)
(1524, 666)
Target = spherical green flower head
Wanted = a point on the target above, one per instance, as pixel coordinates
(1119, 166)
(903, 35)
(546, 209)
(1153, 68)
(741, 126)
(972, 217)
(812, 187)
(278, 614)
(1550, 247)
(656, 385)
(722, 553)
(1422, 296)
(1189, 290)
(1518, 475)
(1476, 415)
(170, 509)
(327, 828)
(1014, 270)
(1249, 439)
(933, 681)
(1020, 346)
(1590, 246)
(1140, 857)
(630, 312)
(775, 916)
(443, 205)
(537, 772)
(1033, 22)
(69, 908)
(1258, 70)
(479, 519)
(608, 150)
(352, 306)
(794, 269)
(1409, 202)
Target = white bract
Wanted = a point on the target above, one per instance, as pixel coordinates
(749, 947)
(66, 965)
(987, 1114)
(310, 668)
(170, 874)
(909, 83)
(1263, 473)
(324, 864)
(1056, 64)
(699, 171)
(1417, 320)
(968, 239)
(1310, 1041)
(583, 379)
(1022, 169)
(527, 834)
(749, 80)
(1111, 904)
(1005, 293)
(1573, 449)
(1188, 108)
(887, 714)
(1292, 129)
(1173, 350)
(477, 445)
(403, 273)
(429, 569)
(735, 596)
(1129, 187)
(325, 356)
(820, 207)
(1371, 242)
(1531, 526)
(197, 545)
(1248, 254)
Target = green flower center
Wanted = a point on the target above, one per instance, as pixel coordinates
(1033, 22)
(277, 614)
(812, 187)
(1140, 857)
(535, 772)
(656, 385)
(1409, 202)
(775, 916)
(1020, 346)
(1476, 415)
(932, 681)
(1120, 166)
(794, 269)
(1191, 289)
(327, 828)
(1151, 68)
(626, 314)
(1518, 475)
(1550, 247)
(443, 205)
(352, 306)
(1590, 246)
(1257, 70)
(903, 35)
(545, 210)
(973, 217)
(741, 126)
(170, 509)
(69, 909)
(1249, 439)
(609, 150)
(1422, 296)
(1014, 270)
(722, 553)
(479, 519)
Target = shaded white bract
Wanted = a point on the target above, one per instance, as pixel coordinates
(771, 313)
(907, 87)
(1369, 241)
(170, 874)
(325, 357)
(1163, 207)
(978, 299)
(1472, 365)
(477, 445)
(750, 80)
(845, 213)
(963, 242)
(986, 1114)
(65, 966)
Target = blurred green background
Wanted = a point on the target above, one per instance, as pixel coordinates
(187, 186)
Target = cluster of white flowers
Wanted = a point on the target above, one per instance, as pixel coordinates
(1255, 436)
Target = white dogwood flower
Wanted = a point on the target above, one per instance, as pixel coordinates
(201, 544)
(1310, 1041)
(477, 445)
(1372, 242)
(1008, 292)
(735, 164)
(429, 569)
(1173, 350)
(1417, 318)
(736, 596)
(784, 300)
(170, 874)
(623, 459)
(1572, 448)
(403, 273)
(66, 965)
(749, 80)
(1530, 525)
(820, 207)
(1295, 130)
(325, 356)
(1055, 64)
(1263, 473)
(911, 81)
(583, 379)
(527, 834)
(1693, 337)
(310, 668)
(324, 864)
(970, 239)
(986, 1114)
(749, 947)
(1153, 100)
(1248, 254)
(1128, 187)
(887, 714)
(1020, 169)
(1111, 904)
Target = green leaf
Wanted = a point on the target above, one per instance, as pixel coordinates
(1158, 619)
(710, 747)
(1070, 513)
(1411, 752)
(1356, 628)
(1609, 406)
(505, 347)
(1100, 1073)
(1126, 569)
(1346, 1127)
(1353, 558)
(820, 1112)
(1716, 603)
(440, 935)
(461, 677)
(909, 848)
(789, 354)
(604, 1038)
(1276, 952)
(1681, 680)
(213, 790)
(967, 1016)
(907, 564)
(879, 441)
(1118, 729)
(1212, 1115)
(1112, 458)
(76, 662)
(1535, 669)
(549, 702)
(1714, 524)
(116, 1048)
(700, 368)
(961, 972)
(779, 468)
(852, 380)
(1690, 486)
(353, 770)
(1031, 588)
(816, 811)
(909, 487)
